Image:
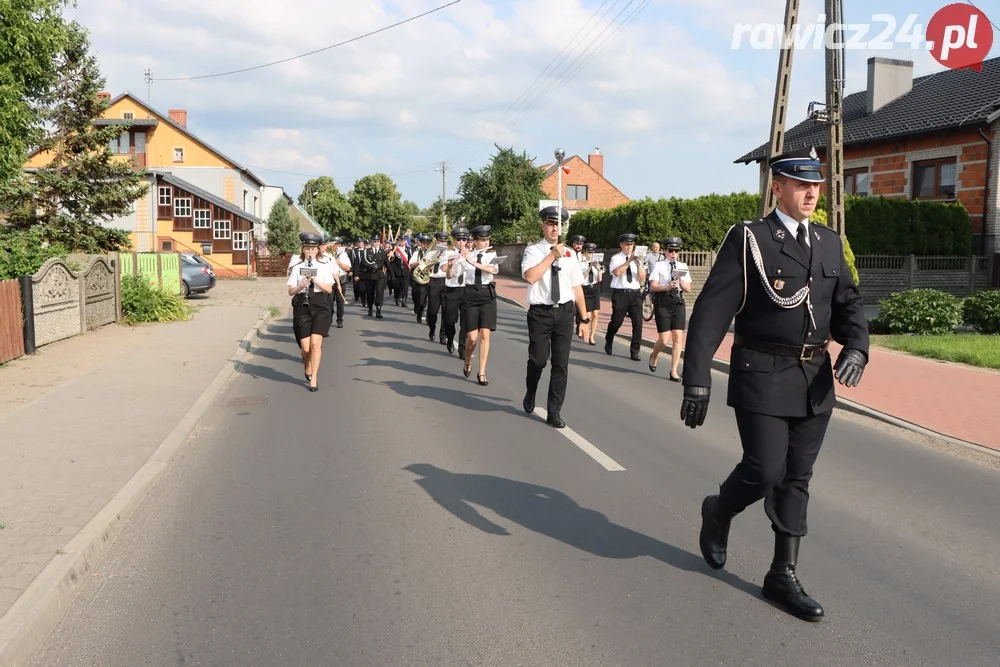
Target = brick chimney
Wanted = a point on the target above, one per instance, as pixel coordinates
(179, 116)
(103, 96)
(888, 79)
(596, 161)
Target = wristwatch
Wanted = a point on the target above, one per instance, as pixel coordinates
(586, 321)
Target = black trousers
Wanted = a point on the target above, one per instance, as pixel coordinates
(435, 292)
(336, 303)
(359, 290)
(626, 302)
(402, 287)
(419, 293)
(452, 313)
(374, 291)
(777, 464)
(550, 333)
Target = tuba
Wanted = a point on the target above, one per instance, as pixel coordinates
(422, 272)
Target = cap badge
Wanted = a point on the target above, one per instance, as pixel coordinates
(816, 234)
(813, 154)
(779, 284)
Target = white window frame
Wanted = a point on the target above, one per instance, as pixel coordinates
(178, 150)
(222, 230)
(205, 221)
(240, 241)
(128, 115)
(165, 195)
(182, 207)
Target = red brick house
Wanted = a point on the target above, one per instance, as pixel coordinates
(929, 137)
(585, 186)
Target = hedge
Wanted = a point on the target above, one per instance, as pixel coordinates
(874, 225)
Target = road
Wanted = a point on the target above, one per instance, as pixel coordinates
(405, 515)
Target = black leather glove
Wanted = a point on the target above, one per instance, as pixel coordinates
(850, 366)
(695, 405)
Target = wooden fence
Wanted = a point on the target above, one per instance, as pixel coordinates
(161, 268)
(273, 266)
(11, 321)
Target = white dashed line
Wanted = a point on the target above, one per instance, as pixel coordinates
(581, 442)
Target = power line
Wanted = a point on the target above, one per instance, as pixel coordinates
(303, 55)
(984, 14)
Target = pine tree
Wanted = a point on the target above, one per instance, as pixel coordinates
(282, 232)
(83, 185)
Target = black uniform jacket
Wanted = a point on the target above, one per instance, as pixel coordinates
(767, 383)
(373, 264)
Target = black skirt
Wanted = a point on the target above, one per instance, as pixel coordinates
(592, 296)
(670, 313)
(480, 307)
(312, 318)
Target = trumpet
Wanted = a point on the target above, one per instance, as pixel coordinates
(422, 272)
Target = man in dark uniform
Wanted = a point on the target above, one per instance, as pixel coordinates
(435, 293)
(418, 291)
(373, 270)
(356, 252)
(799, 294)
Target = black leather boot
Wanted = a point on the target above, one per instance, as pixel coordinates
(781, 584)
(714, 537)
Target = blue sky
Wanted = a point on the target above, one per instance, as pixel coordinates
(667, 99)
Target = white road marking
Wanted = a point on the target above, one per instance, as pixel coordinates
(584, 444)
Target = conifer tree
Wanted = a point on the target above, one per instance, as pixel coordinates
(282, 232)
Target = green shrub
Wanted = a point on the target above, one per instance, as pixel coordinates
(820, 216)
(142, 301)
(921, 311)
(23, 251)
(982, 311)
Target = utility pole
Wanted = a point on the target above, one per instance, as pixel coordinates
(779, 114)
(835, 117)
(149, 82)
(444, 200)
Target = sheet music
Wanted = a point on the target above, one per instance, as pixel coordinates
(307, 272)
(641, 252)
(599, 257)
(498, 260)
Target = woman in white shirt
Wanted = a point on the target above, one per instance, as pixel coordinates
(310, 284)
(668, 283)
(479, 297)
(593, 275)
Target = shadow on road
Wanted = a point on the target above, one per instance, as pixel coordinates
(455, 397)
(409, 368)
(268, 373)
(556, 515)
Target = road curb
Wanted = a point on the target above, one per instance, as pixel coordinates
(25, 626)
(843, 404)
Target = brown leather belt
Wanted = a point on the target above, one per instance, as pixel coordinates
(802, 352)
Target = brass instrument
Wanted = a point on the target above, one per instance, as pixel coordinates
(424, 268)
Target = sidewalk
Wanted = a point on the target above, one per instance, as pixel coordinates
(94, 410)
(954, 400)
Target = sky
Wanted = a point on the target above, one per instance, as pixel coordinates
(657, 85)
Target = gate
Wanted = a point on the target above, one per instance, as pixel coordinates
(273, 266)
(11, 321)
(160, 268)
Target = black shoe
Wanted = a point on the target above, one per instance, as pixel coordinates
(555, 420)
(781, 583)
(378, 314)
(340, 325)
(714, 537)
(634, 357)
(431, 335)
(369, 312)
(607, 346)
(451, 346)
(528, 403)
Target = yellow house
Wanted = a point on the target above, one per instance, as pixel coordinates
(199, 199)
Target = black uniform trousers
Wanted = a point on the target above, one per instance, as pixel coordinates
(336, 303)
(402, 287)
(626, 302)
(419, 294)
(452, 312)
(435, 301)
(550, 332)
(374, 291)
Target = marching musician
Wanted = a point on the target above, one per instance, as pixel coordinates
(669, 281)
(653, 256)
(785, 280)
(399, 266)
(358, 251)
(628, 273)
(310, 284)
(555, 287)
(577, 242)
(593, 275)
(480, 299)
(454, 283)
(342, 264)
(418, 291)
(435, 292)
(373, 276)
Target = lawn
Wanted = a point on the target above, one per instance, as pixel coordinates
(967, 348)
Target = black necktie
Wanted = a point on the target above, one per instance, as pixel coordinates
(555, 283)
(800, 236)
(479, 272)
(628, 273)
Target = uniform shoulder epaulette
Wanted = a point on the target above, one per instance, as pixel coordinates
(755, 221)
(830, 230)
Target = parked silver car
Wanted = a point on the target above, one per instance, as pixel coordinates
(196, 273)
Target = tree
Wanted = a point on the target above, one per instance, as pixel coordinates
(377, 204)
(83, 185)
(504, 194)
(282, 232)
(455, 211)
(329, 207)
(32, 33)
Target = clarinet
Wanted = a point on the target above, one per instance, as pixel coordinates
(309, 264)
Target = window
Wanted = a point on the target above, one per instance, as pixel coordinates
(131, 141)
(167, 246)
(857, 182)
(178, 153)
(577, 192)
(124, 145)
(140, 142)
(128, 115)
(256, 206)
(246, 196)
(934, 179)
(223, 229)
(240, 240)
(182, 207)
(202, 218)
(164, 195)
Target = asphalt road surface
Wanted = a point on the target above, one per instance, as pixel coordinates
(405, 515)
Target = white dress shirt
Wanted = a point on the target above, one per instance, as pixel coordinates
(470, 270)
(622, 281)
(453, 278)
(324, 274)
(570, 275)
(663, 274)
(591, 274)
(439, 271)
(792, 225)
(341, 256)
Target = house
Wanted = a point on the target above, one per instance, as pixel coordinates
(199, 199)
(929, 137)
(583, 183)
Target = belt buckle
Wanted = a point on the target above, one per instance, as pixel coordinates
(803, 353)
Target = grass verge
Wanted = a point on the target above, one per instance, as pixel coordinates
(967, 348)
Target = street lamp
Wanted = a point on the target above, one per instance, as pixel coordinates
(560, 155)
